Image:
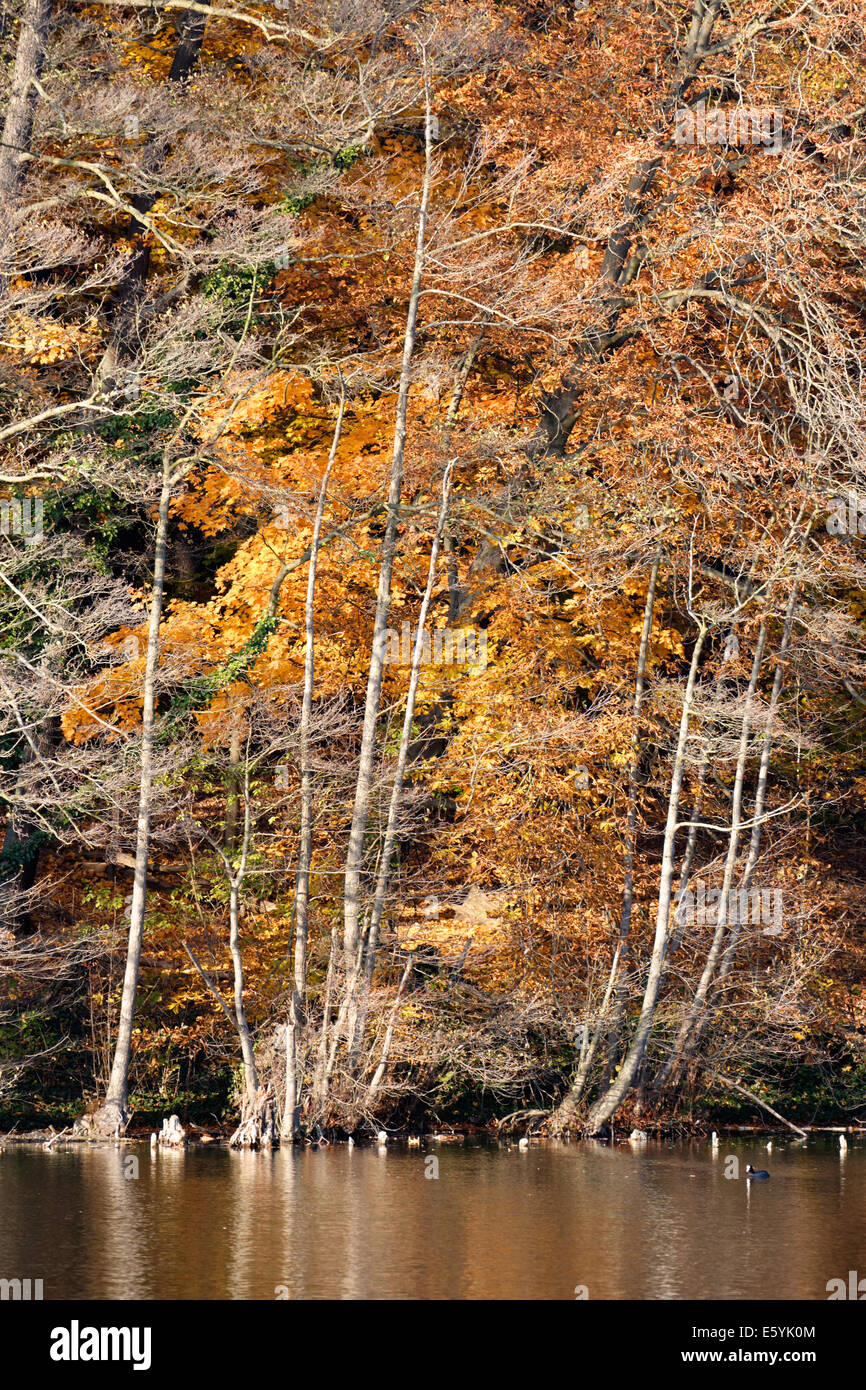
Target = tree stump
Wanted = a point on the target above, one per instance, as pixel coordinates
(258, 1126)
(106, 1121)
(172, 1135)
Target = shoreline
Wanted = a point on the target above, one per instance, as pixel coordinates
(50, 1138)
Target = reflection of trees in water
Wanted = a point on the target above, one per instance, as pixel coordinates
(659, 1223)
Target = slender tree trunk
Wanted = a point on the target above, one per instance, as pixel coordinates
(691, 843)
(251, 1075)
(671, 1067)
(320, 1081)
(611, 1100)
(372, 941)
(233, 790)
(758, 816)
(112, 1115)
(634, 767)
(297, 1007)
(756, 1100)
(379, 1073)
(622, 950)
(236, 1013)
(367, 756)
(460, 381)
(568, 1108)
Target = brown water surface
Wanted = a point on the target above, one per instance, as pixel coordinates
(650, 1222)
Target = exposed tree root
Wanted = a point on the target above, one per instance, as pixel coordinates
(258, 1126)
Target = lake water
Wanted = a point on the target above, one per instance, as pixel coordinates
(655, 1222)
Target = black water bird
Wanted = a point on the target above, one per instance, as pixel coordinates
(756, 1172)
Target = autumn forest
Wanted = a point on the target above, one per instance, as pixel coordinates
(432, 569)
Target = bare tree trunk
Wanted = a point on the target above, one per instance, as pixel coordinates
(622, 950)
(112, 1115)
(757, 820)
(320, 1076)
(379, 1073)
(691, 843)
(671, 1067)
(291, 1113)
(372, 937)
(251, 1076)
(20, 113)
(367, 756)
(634, 767)
(232, 790)
(460, 380)
(610, 1101)
(236, 1013)
(688, 857)
(568, 1108)
(750, 1095)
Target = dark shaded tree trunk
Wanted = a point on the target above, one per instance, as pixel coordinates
(20, 113)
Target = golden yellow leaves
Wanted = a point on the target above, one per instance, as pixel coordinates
(112, 701)
(282, 393)
(44, 342)
(153, 56)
